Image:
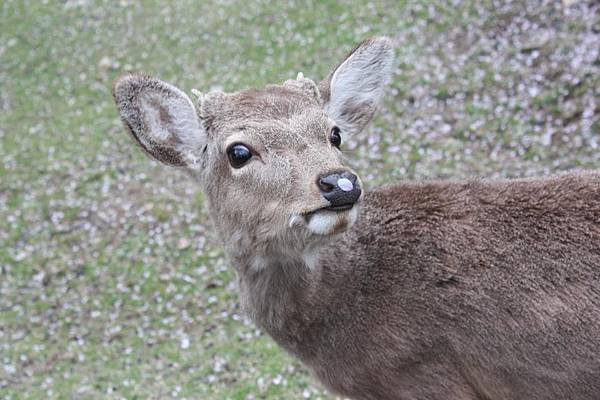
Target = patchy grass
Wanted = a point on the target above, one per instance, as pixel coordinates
(112, 284)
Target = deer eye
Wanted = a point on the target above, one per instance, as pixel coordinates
(238, 155)
(335, 137)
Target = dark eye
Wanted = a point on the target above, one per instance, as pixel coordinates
(335, 138)
(238, 155)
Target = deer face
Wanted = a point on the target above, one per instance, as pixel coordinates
(278, 162)
(269, 160)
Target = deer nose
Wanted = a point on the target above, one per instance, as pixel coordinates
(340, 188)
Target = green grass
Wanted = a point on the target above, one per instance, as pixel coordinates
(112, 284)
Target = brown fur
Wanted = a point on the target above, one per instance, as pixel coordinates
(482, 289)
(454, 290)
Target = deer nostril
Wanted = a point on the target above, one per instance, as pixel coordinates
(327, 184)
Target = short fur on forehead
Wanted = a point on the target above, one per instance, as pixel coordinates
(274, 102)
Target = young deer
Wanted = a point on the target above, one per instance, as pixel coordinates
(480, 289)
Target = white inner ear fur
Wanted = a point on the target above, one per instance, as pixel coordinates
(180, 128)
(358, 84)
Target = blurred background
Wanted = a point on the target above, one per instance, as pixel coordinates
(112, 284)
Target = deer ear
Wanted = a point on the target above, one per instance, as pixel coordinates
(353, 89)
(161, 119)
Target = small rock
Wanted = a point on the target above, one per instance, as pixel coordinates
(104, 63)
(536, 40)
(183, 243)
(107, 63)
(185, 343)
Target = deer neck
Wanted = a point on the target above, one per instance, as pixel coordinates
(278, 292)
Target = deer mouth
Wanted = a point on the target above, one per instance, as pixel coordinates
(338, 208)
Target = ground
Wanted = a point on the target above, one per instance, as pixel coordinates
(112, 284)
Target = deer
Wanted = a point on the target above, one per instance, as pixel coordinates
(482, 289)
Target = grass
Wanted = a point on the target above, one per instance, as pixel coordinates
(112, 284)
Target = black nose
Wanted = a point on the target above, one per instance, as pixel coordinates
(340, 188)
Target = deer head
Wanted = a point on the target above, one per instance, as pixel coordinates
(269, 160)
